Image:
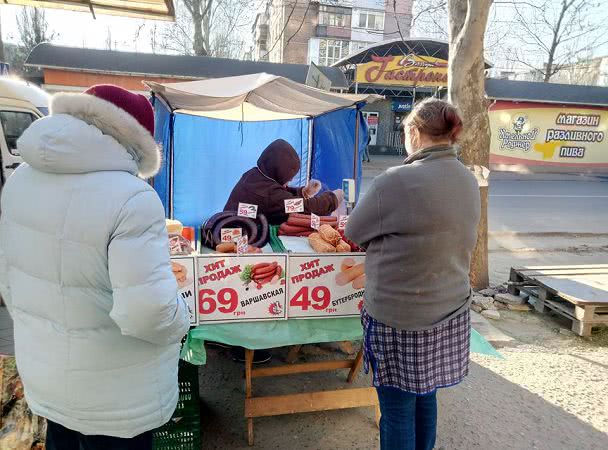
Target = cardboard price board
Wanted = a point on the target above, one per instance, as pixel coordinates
(241, 288)
(326, 285)
(184, 268)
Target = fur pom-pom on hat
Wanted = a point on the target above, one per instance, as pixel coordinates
(127, 117)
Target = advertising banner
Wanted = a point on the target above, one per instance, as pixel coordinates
(326, 285)
(184, 269)
(546, 135)
(241, 288)
(407, 70)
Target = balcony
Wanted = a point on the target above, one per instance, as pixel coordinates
(332, 32)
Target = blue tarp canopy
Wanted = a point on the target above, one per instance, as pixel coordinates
(206, 150)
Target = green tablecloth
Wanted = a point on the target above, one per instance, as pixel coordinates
(281, 333)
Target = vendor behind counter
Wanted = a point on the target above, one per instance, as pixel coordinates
(266, 186)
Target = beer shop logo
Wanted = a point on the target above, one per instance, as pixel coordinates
(520, 136)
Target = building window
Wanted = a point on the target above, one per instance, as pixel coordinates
(333, 16)
(371, 20)
(355, 46)
(332, 51)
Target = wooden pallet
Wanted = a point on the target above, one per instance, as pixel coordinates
(579, 293)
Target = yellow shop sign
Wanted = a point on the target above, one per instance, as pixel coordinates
(533, 134)
(409, 70)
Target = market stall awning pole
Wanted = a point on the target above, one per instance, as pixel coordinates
(356, 153)
(310, 150)
(147, 9)
(171, 167)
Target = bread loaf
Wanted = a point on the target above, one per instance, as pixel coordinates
(319, 245)
(329, 235)
(226, 247)
(342, 247)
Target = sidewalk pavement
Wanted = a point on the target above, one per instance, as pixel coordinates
(7, 345)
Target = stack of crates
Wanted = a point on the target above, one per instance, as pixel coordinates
(183, 431)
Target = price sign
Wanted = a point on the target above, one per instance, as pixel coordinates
(315, 221)
(184, 271)
(342, 220)
(247, 210)
(230, 234)
(241, 288)
(326, 286)
(242, 245)
(294, 205)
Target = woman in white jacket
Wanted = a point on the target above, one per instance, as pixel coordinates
(85, 273)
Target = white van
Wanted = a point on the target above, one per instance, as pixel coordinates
(21, 104)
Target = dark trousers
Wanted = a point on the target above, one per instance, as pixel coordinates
(408, 421)
(61, 438)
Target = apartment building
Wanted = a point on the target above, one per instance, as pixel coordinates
(325, 31)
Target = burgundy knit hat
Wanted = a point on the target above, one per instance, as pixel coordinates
(135, 104)
(127, 117)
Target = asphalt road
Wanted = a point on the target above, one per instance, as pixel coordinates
(540, 203)
(535, 203)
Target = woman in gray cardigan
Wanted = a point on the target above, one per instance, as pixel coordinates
(418, 223)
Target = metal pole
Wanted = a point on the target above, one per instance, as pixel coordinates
(310, 150)
(171, 159)
(356, 159)
(356, 87)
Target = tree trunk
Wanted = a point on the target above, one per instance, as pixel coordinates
(1, 42)
(207, 27)
(199, 42)
(549, 70)
(466, 90)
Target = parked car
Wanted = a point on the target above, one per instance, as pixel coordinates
(21, 103)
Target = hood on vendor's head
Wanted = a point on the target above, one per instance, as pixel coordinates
(279, 161)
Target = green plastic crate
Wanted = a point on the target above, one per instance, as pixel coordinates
(183, 431)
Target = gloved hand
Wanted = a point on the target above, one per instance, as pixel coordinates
(311, 189)
(340, 194)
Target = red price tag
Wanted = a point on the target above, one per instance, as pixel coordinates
(294, 205)
(230, 234)
(247, 210)
(342, 220)
(242, 245)
(315, 222)
(225, 301)
(318, 297)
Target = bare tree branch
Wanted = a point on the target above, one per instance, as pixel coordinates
(556, 32)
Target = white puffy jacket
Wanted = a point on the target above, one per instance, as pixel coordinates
(85, 272)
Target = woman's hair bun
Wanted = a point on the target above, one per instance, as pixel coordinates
(437, 118)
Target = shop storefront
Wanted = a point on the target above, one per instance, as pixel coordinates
(404, 72)
(543, 126)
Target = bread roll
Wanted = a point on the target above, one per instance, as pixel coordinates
(174, 226)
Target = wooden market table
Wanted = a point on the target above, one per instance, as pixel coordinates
(294, 333)
(262, 335)
(307, 401)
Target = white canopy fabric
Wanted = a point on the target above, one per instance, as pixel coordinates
(263, 91)
(246, 112)
(142, 9)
